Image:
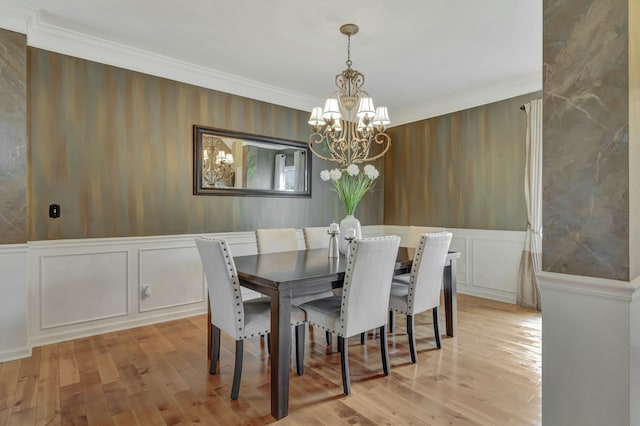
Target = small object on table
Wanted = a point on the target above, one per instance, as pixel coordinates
(334, 231)
(349, 235)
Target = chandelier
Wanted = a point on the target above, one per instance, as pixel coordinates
(348, 134)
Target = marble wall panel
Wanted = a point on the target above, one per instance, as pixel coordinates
(113, 147)
(460, 170)
(586, 138)
(13, 137)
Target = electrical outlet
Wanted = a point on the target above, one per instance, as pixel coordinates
(146, 291)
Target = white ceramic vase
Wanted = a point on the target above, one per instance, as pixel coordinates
(348, 222)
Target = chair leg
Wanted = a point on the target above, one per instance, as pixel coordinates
(237, 371)
(412, 339)
(392, 322)
(215, 349)
(344, 364)
(329, 338)
(384, 353)
(436, 326)
(300, 349)
(363, 337)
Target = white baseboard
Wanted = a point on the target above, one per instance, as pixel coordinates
(88, 329)
(14, 354)
(500, 296)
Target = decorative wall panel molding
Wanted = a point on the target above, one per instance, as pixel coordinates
(83, 287)
(67, 280)
(503, 252)
(492, 264)
(489, 262)
(169, 276)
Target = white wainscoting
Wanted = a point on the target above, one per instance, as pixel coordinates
(85, 287)
(590, 350)
(14, 302)
(162, 270)
(65, 289)
(88, 286)
(489, 262)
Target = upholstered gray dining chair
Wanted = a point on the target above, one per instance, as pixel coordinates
(420, 290)
(364, 302)
(239, 319)
(316, 237)
(412, 241)
(415, 232)
(276, 240)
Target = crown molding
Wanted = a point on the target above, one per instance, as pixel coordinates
(447, 103)
(16, 18)
(60, 40)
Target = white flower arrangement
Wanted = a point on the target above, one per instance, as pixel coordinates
(371, 172)
(325, 175)
(335, 175)
(351, 186)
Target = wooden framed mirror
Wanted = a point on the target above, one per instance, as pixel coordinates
(226, 162)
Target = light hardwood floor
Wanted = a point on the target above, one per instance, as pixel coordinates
(489, 374)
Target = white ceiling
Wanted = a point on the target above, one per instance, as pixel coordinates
(420, 57)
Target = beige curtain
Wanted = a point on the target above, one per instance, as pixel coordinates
(531, 261)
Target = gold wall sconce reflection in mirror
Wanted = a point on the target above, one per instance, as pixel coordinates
(233, 163)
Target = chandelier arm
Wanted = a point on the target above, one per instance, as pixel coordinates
(380, 138)
(338, 148)
(319, 138)
(363, 151)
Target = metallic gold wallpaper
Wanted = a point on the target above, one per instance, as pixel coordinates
(114, 148)
(460, 170)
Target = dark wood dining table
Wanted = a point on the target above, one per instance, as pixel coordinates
(284, 275)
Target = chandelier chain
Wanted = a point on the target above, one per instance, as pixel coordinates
(349, 52)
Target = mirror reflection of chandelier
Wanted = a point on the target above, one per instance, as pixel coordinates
(219, 169)
(346, 134)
